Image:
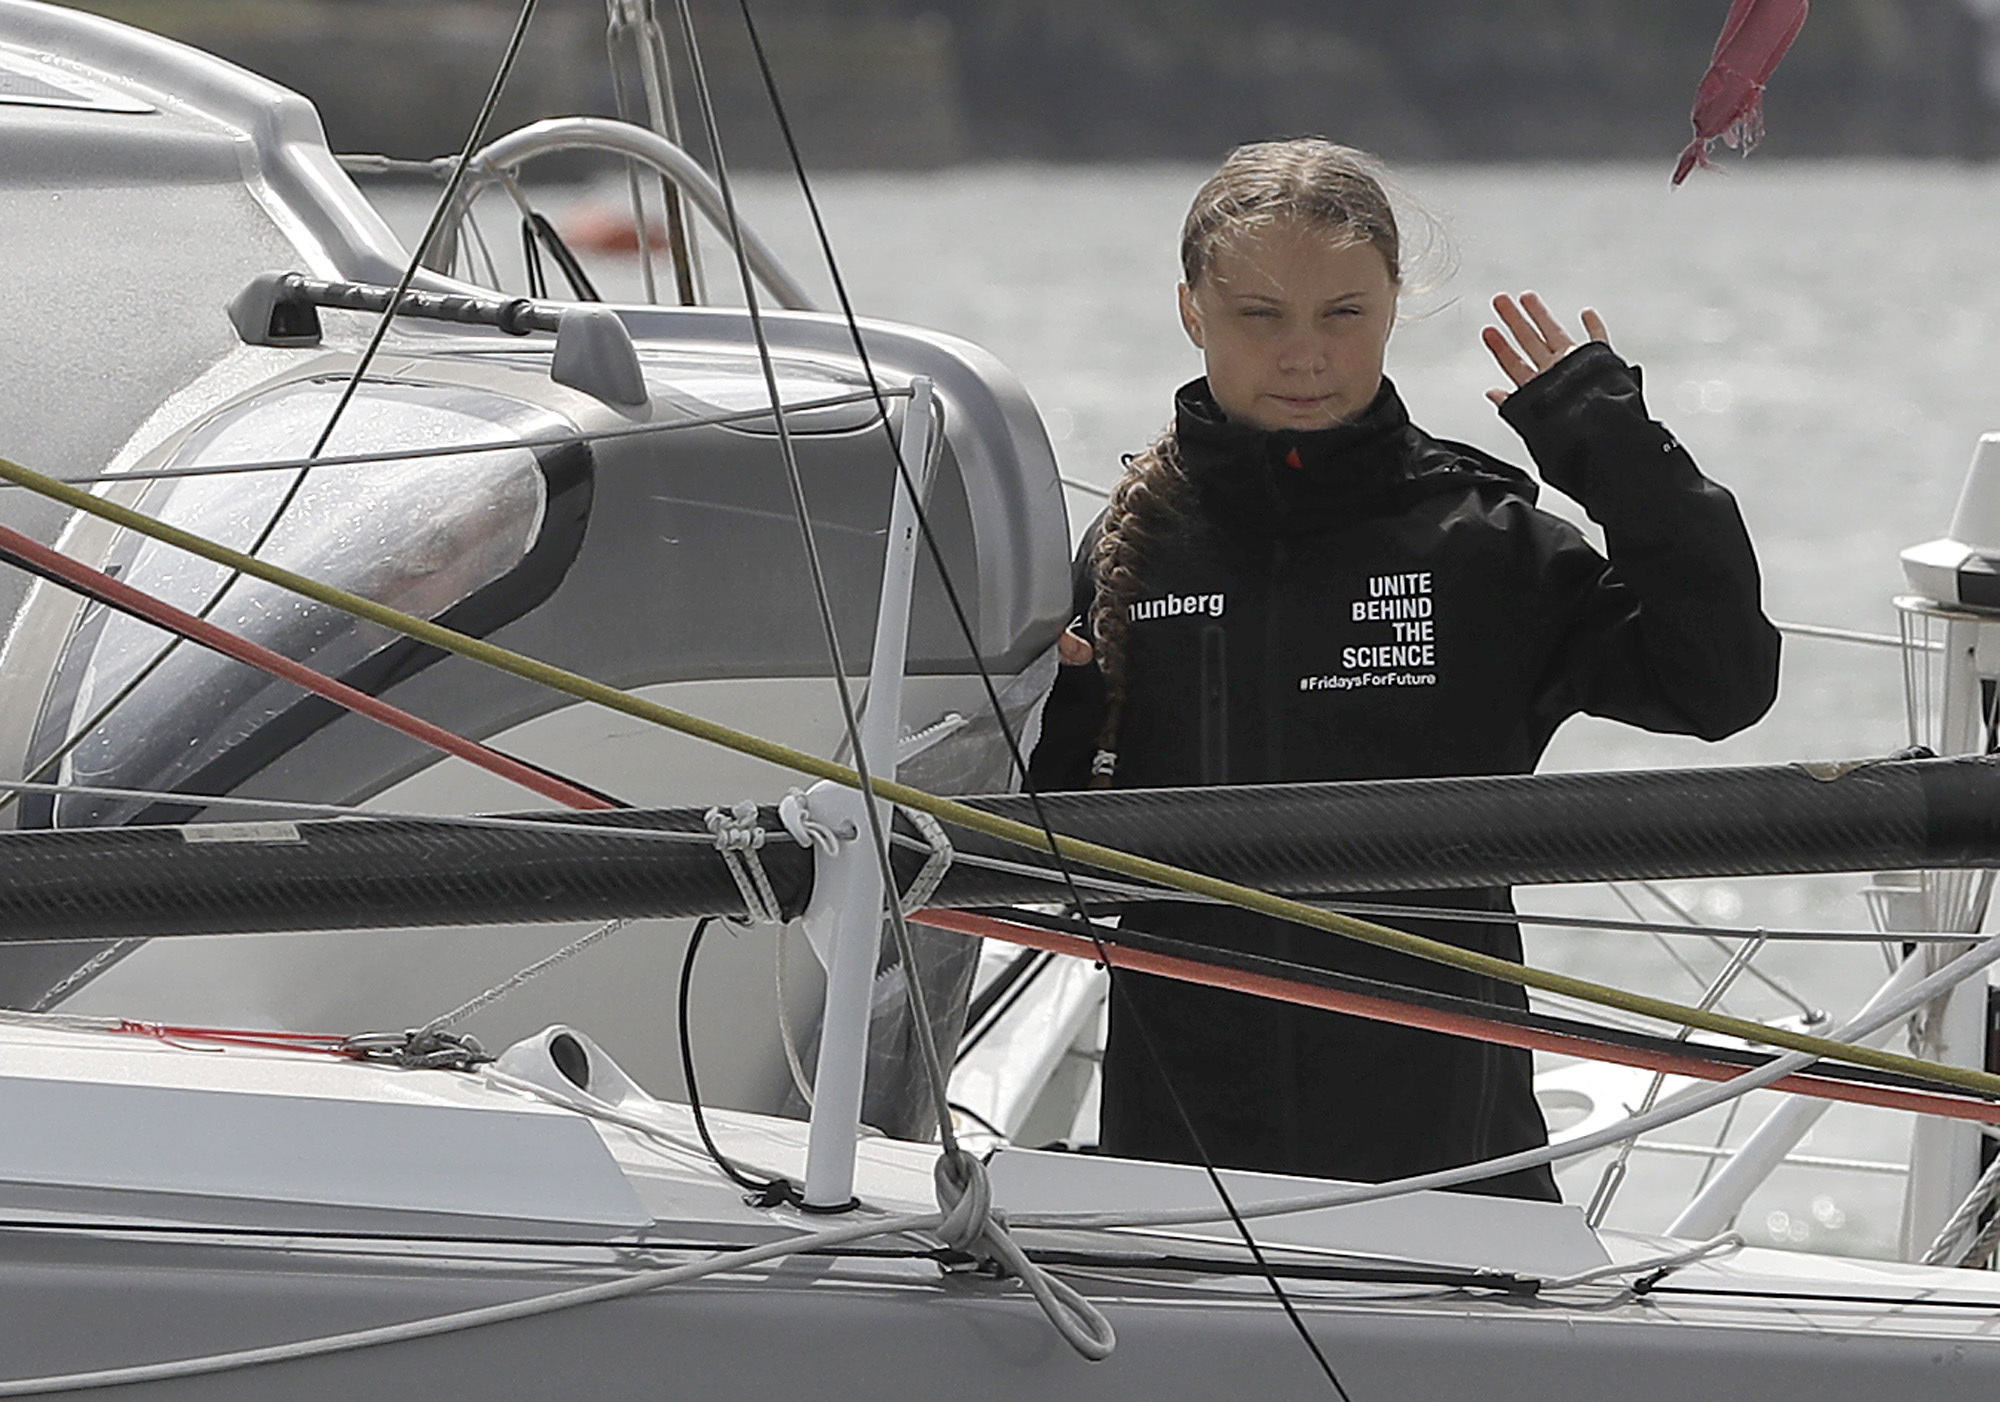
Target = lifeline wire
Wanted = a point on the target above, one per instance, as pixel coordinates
(378, 456)
(1614, 1172)
(963, 815)
(1676, 1107)
(933, 1062)
(331, 810)
(1133, 891)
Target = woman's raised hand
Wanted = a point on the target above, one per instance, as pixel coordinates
(1537, 341)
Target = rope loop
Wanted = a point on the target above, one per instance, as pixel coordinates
(805, 829)
(969, 1224)
(738, 837)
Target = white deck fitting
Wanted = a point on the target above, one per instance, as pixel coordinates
(125, 1125)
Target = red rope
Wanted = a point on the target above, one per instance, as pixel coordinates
(115, 594)
(321, 1042)
(1456, 1024)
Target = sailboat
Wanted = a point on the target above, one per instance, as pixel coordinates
(534, 514)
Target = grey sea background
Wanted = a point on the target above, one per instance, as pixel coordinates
(1823, 336)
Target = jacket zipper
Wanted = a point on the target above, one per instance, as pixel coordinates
(1272, 702)
(1214, 705)
(1274, 697)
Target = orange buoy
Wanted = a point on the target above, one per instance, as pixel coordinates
(604, 228)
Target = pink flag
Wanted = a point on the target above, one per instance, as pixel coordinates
(1729, 103)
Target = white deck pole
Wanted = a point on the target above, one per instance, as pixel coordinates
(1944, 1154)
(847, 888)
(1717, 1204)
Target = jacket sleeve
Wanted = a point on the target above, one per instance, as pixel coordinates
(1074, 712)
(1669, 633)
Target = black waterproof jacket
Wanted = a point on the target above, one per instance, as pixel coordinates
(1368, 602)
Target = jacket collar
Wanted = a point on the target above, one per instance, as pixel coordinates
(1288, 482)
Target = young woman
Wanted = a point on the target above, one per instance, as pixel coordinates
(1295, 583)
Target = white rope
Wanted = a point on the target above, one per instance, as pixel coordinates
(513, 981)
(971, 1225)
(925, 885)
(786, 1037)
(737, 838)
(1980, 1252)
(1950, 1245)
(967, 1224)
(640, 1284)
(1727, 1244)
(1678, 1107)
(88, 969)
(967, 1220)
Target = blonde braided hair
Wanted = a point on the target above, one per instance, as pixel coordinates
(1315, 182)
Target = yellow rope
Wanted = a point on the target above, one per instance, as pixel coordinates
(1005, 829)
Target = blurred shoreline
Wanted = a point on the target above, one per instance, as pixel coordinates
(922, 84)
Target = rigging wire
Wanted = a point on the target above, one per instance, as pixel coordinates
(1541, 919)
(1813, 1016)
(1018, 759)
(879, 842)
(412, 453)
(974, 819)
(342, 811)
(116, 594)
(518, 977)
(68, 746)
(447, 202)
(1683, 1105)
(1614, 1172)
(1310, 986)
(638, 20)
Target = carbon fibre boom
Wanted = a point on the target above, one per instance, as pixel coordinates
(1295, 839)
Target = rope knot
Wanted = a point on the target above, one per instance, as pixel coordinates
(969, 1224)
(735, 830)
(422, 1049)
(966, 1197)
(737, 837)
